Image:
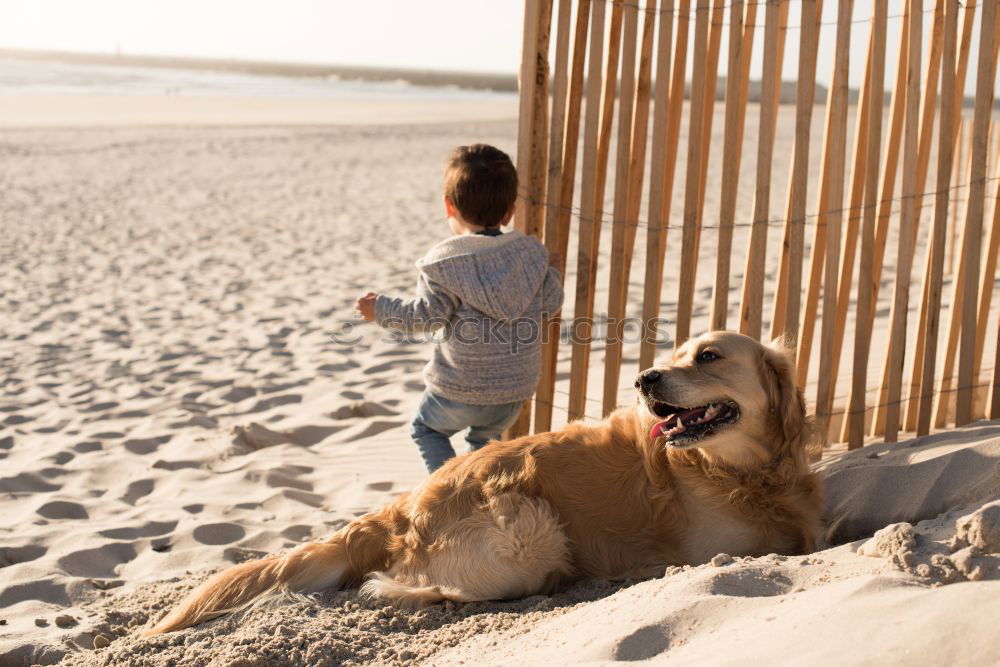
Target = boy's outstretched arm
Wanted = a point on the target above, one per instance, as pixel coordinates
(552, 292)
(432, 307)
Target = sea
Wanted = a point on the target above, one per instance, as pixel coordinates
(33, 76)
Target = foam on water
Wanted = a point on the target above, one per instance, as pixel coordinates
(23, 77)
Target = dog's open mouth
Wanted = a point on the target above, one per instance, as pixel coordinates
(685, 426)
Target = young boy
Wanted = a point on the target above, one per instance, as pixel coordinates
(489, 291)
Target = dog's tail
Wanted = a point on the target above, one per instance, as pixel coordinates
(351, 553)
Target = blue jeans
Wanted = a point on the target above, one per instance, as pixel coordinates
(439, 418)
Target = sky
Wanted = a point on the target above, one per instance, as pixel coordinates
(466, 35)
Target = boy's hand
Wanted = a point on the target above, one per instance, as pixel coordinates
(366, 306)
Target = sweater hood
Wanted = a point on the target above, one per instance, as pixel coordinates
(497, 275)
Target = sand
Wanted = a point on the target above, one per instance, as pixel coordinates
(176, 395)
(56, 110)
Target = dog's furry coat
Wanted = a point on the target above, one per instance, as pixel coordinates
(610, 500)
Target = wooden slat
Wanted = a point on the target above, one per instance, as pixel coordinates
(752, 303)
(945, 395)
(708, 113)
(568, 95)
(525, 114)
(937, 240)
(590, 210)
(863, 322)
(907, 225)
(779, 64)
(994, 403)
(887, 188)
(960, 175)
(689, 251)
(656, 228)
(623, 237)
(537, 172)
(923, 161)
(669, 102)
(532, 166)
(988, 277)
(788, 293)
(859, 168)
(833, 175)
(711, 87)
(740, 48)
(974, 214)
(626, 102)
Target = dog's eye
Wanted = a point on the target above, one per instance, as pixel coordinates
(708, 355)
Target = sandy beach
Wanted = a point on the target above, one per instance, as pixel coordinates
(184, 385)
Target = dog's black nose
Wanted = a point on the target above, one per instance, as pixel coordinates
(648, 378)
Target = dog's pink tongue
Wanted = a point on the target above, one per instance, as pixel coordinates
(662, 427)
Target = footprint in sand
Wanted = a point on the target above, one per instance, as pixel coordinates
(108, 435)
(219, 533)
(750, 583)
(402, 365)
(240, 555)
(176, 465)
(61, 509)
(277, 479)
(237, 394)
(88, 446)
(148, 529)
(25, 482)
(256, 436)
(278, 502)
(298, 533)
(40, 589)
(308, 436)
(101, 562)
(274, 402)
(137, 490)
(14, 555)
(61, 458)
(100, 407)
(144, 446)
(14, 420)
(362, 409)
(645, 643)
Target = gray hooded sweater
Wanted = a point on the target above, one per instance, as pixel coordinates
(484, 298)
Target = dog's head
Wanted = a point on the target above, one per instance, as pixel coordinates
(728, 395)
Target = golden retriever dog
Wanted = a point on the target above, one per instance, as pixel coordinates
(712, 459)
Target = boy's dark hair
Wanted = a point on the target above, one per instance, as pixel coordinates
(481, 183)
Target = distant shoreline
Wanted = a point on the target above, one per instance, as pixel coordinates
(416, 77)
(496, 82)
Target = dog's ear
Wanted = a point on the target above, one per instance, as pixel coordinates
(785, 401)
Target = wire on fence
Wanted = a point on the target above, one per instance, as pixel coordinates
(692, 11)
(844, 411)
(577, 212)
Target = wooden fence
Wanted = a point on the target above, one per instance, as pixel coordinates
(603, 73)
